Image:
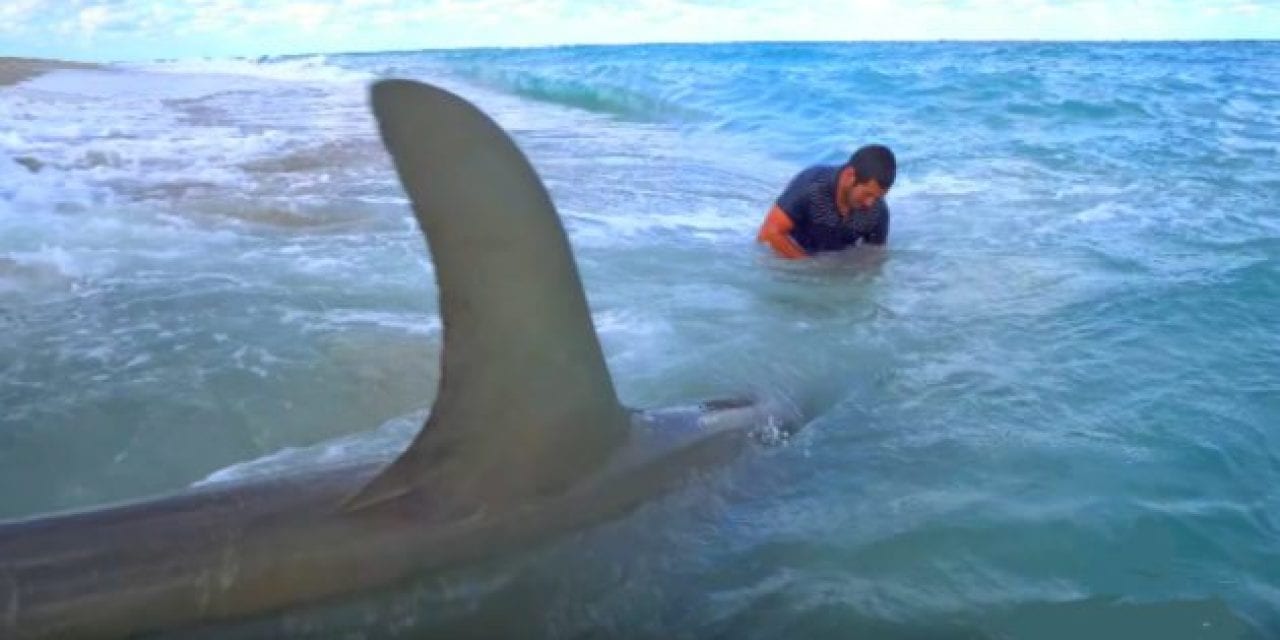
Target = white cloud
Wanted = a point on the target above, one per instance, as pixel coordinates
(93, 17)
(214, 15)
(307, 15)
(15, 14)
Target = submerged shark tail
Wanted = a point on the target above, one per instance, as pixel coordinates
(526, 404)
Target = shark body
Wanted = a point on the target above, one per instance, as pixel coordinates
(526, 440)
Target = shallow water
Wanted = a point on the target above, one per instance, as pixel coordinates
(1052, 407)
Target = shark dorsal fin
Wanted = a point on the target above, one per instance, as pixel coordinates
(525, 404)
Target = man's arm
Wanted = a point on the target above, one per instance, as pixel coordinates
(776, 232)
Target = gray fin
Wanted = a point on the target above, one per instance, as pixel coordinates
(526, 404)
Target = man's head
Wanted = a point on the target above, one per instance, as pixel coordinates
(868, 175)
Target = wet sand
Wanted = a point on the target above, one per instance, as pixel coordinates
(15, 70)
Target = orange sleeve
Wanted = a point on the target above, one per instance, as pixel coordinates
(776, 232)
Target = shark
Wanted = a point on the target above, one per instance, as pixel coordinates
(526, 441)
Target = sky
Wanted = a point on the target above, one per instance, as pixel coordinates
(116, 30)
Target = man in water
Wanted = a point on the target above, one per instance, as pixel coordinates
(829, 208)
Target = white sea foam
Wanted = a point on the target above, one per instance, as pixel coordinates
(409, 323)
(705, 223)
(177, 129)
(51, 260)
(938, 184)
(304, 69)
(93, 132)
(1098, 213)
(379, 444)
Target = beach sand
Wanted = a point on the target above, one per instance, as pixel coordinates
(15, 70)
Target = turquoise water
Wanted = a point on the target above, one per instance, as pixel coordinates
(1051, 410)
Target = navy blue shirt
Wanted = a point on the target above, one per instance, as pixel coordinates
(810, 202)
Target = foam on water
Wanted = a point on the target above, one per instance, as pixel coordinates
(287, 68)
(382, 444)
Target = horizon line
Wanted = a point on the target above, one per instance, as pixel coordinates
(668, 43)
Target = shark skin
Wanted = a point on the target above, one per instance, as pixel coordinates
(509, 457)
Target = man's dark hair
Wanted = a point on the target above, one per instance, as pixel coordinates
(875, 161)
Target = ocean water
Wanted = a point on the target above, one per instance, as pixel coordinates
(1053, 410)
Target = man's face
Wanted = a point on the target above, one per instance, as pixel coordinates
(862, 195)
(866, 194)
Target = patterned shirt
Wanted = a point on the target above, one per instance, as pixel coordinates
(810, 202)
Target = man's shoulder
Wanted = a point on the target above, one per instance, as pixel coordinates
(818, 173)
(809, 188)
(812, 181)
(802, 184)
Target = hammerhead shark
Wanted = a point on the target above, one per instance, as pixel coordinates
(526, 440)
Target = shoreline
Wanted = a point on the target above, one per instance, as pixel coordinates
(15, 70)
